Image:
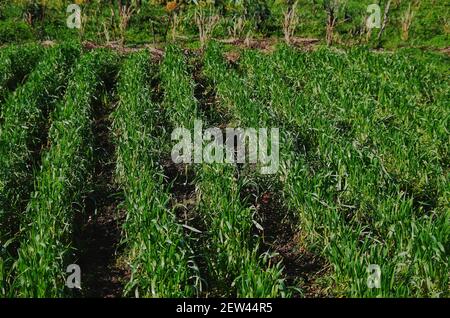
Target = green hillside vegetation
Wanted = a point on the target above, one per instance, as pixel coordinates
(422, 23)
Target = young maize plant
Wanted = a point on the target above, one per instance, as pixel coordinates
(15, 63)
(21, 135)
(61, 182)
(237, 258)
(342, 185)
(156, 248)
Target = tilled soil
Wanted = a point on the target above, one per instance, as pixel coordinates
(103, 272)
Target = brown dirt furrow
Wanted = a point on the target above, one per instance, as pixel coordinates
(103, 272)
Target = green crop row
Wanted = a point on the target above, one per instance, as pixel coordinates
(180, 105)
(15, 63)
(238, 259)
(60, 184)
(21, 136)
(352, 114)
(181, 110)
(24, 124)
(157, 251)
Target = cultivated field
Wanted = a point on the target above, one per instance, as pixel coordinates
(86, 175)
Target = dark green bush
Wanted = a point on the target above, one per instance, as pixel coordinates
(15, 31)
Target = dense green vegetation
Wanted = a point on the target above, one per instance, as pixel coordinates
(22, 134)
(370, 180)
(363, 175)
(418, 22)
(24, 117)
(15, 63)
